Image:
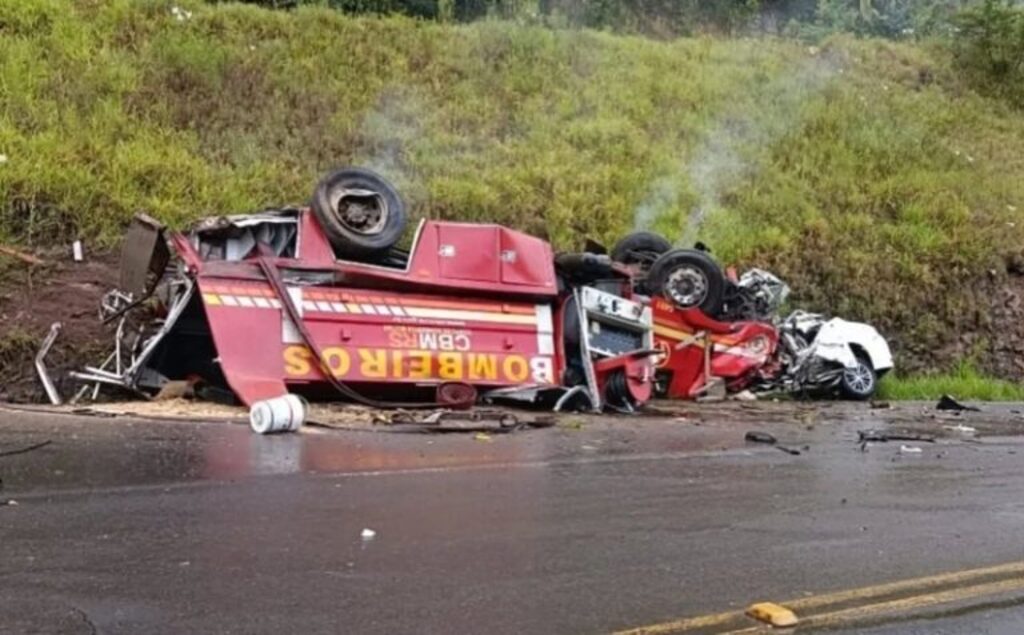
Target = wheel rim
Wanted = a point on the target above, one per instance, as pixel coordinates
(361, 211)
(686, 286)
(859, 379)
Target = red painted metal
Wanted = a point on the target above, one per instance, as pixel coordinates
(740, 351)
(475, 304)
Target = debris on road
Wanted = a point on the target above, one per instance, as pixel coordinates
(763, 437)
(481, 420)
(910, 449)
(774, 614)
(864, 437)
(26, 449)
(759, 437)
(77, 253)
(948, 403)
(877, 436)
(962, 429)
(280, 414)
(368, 534)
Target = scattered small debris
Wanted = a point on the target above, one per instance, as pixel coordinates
(949, 403)
(368, 534)
(745, 395)
(910, 449)
(574, 423)
(175, 389)
(962, 429)
(77, 251)
(878, 436)
(755, 436)
(482, 436)
(20, 255)
(11, 502)
(27, 448)
(774, 614)
(864, 437)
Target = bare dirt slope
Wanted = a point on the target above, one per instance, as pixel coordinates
(32, 297)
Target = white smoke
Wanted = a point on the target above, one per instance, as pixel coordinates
(727, 151)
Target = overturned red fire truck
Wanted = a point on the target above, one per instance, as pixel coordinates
(321, 300)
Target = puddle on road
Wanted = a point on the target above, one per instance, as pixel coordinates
(95, 452)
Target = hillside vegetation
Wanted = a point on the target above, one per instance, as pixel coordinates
(864, 172)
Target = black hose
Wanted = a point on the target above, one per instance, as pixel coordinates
(277, 284)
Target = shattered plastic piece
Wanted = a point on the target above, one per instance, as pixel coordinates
(368, 534)
(962, 429)
(910, 449)
(774, 614)
(949, 403)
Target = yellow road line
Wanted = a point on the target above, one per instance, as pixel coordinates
(863, 593)
(903, 604)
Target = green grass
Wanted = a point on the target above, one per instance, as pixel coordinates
(963, 382)
(865, 173)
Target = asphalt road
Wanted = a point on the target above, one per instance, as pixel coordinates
(128, 526)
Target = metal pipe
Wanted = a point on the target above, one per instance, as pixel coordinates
(44, 376)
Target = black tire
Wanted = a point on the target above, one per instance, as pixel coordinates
(640, 248)
(859, 384)
(689, 279)
(361, 213)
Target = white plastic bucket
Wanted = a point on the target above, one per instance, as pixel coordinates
(280, 414)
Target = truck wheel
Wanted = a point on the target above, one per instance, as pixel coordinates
(640, 249)
(689, 279)
(859, 383)
(361, 213)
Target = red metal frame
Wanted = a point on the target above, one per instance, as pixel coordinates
(474, 304)
(740, 351)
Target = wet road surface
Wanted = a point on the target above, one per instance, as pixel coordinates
(127, 526)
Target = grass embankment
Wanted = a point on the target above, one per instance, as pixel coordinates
(864, 172)
(963, 382)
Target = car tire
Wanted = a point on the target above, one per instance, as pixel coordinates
(360, 211)
(689, 279)
(860, 383)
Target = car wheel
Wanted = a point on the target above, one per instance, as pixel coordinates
(689, 279)
(360, 211)
(859, 383)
